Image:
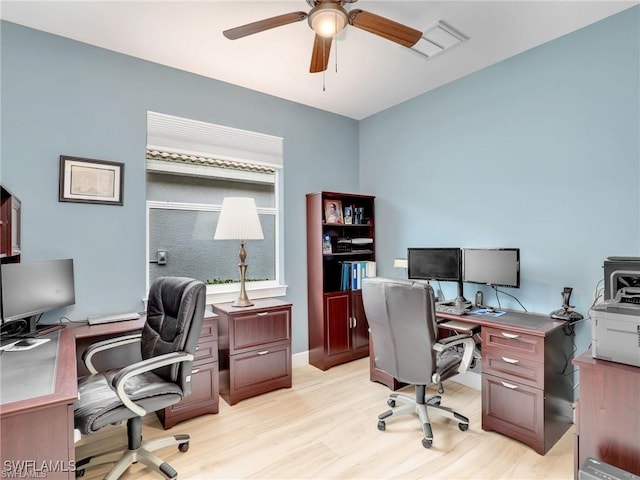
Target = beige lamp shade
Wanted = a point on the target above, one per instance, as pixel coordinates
(238, 220)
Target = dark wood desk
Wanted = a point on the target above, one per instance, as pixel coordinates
(608, 413)
(37, 432)
(527, 392)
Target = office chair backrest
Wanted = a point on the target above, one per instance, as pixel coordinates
(175, 312)
(401, 316)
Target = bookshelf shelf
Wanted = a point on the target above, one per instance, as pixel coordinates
(338, 329)
(348, 254)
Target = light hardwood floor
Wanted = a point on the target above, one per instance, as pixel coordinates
(325, 427)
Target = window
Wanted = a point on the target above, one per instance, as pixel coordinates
(191, 167)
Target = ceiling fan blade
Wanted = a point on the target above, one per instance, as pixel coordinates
(394, 31)
(320, 54)
(262, 25)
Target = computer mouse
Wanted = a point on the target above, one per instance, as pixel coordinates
(490, 309)
(26, 342)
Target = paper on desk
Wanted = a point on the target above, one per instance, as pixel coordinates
(487, 313)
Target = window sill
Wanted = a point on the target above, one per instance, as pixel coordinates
(229, 292)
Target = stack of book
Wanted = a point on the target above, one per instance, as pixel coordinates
(353, 272)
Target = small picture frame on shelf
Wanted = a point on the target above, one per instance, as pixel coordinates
(348, 215)
(333, 211)
(326, 244)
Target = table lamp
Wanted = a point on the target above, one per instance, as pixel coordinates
(239, 221)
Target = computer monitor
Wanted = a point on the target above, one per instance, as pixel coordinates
(439, 264)
(31, 289)
(499, 267)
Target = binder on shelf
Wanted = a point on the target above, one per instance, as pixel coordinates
(353, 272)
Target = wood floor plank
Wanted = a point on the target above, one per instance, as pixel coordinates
(325, 427)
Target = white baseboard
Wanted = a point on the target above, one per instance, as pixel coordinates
(300, 359)
(469, 379)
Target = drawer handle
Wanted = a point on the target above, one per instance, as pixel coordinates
(509, 385)
(197, 347)
(263, 352)
(262, 314)
(510, 360)
(509, 335)
(194, 371)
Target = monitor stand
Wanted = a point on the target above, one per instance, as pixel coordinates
(460, 301)
(35, 330)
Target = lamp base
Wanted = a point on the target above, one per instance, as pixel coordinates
(243, 298)
(242, 302)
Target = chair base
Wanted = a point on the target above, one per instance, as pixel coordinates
(421, 407)
(138, 451)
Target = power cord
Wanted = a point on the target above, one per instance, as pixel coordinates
(502, 291)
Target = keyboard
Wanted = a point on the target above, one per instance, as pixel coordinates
(118, 317)
(452, 309)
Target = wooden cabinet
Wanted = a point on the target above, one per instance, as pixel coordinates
(607, 414)
(9, 226)
(336, 248)
(526, 384)
(254, 348)
(204, 380)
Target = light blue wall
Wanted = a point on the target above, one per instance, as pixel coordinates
(540, 152)
(64, 97)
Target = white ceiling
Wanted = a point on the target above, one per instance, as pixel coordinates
(373, 73)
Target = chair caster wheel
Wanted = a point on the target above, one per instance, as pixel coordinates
(463, 427)
(79, 473)
(426, 443)
(381, 425)
(391, 402)
(183, 447)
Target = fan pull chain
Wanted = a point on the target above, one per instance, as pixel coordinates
(324, 60)
(335, 48)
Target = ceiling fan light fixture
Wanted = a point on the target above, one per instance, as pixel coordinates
(328, 19)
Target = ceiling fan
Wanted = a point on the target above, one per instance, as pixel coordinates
(327, 18)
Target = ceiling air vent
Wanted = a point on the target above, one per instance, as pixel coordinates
(437, 39)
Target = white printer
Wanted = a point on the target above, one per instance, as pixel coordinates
(615, 327)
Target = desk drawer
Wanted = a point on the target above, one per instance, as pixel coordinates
(514, 369)
(260, 371)
(513, 409)
(259, 330)
(206, 351)
(519, 346)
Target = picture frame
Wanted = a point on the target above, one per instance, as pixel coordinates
(333, 212)
(348, 215)
(86, 180)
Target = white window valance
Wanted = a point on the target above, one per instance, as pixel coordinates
(192, 137)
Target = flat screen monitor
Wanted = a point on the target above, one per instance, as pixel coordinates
(434, 264)
(499, 267)
(30, 289)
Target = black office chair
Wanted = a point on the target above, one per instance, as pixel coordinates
(401, 316)
(175, 312)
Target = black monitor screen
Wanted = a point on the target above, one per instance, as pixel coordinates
(434, 264)
(32, 288)
(491, 266)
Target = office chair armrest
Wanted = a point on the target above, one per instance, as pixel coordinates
(142, 367)
(447, 342)
(462, 339)
(103, 345)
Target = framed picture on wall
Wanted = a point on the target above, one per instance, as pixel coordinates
(333, 211)
(85, 180)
